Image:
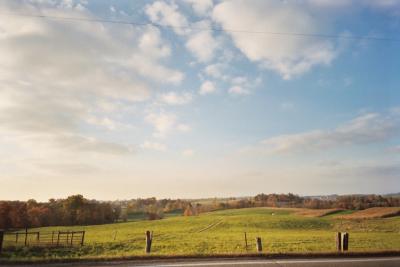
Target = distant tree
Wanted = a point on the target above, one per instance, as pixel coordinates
(154, 212)
(5, 220)
(192, 210)
(188, 211)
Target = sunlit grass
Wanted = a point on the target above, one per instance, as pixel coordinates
(282, 231)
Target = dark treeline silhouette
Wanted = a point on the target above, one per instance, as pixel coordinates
(76, 210)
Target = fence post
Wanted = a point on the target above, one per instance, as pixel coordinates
(58, 238)
(338, 239)
(149, 239)
(52, 237)
(258, 244)
(38, 237)
(83, 237)
(345, 241)
(16, 238)
(72, 238)
(26, 236)
(1, 240)
(245, 240)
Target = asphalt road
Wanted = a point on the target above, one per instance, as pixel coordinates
(345, 262)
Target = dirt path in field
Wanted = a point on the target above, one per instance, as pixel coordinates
(210, 226)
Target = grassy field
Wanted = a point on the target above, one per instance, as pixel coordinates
(317, 212)
(221, 232)
(374, 213)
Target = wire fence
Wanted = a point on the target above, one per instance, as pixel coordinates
(42, 238)
(190, 243)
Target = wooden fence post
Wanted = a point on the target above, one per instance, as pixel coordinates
(345, 241)
(149, 239)
(16, 238)
(26, 237)
(58, 238)
(259, 244)
(72, 238)
(52, 237)
(338, 239)
(245, 240)
(83, 237)
(38, 237)
(1, 240)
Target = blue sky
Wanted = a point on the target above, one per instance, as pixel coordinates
(172, 108)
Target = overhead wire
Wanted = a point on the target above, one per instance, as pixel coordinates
(213, 29)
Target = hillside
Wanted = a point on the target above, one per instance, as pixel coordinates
(374, 213)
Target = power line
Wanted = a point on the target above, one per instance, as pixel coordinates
(213, 29)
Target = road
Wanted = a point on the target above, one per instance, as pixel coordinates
(334, 262)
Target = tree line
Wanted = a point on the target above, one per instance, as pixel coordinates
(351, 202)
(77, 210)
(150, 208)
(74, 210)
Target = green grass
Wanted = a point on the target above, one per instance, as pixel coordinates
(281, 232)
(340, 212)
(140, 216)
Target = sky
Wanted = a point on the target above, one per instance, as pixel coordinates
(198, 98)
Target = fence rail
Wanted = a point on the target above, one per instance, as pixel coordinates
(161, 242)
(37, 238)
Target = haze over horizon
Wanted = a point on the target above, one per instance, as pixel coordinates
(198, 99)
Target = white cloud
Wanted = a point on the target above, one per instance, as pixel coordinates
(207, 87)
(167, 15)
(151, 49)
(216, 70)
(381, 4)
(330, 4)
(368, 128)
(201, 7)
(165, 123)
(288, 55)
(154, 146)
(238, 90)
(103, 122)
(152, 44)
(239, 80)
(87, 144)
(241, 85)
(66, 146)
(146, 67)
(203, 45)
(55, 75)
(174, 98)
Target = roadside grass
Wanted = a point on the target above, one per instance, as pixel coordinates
(282, 231)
